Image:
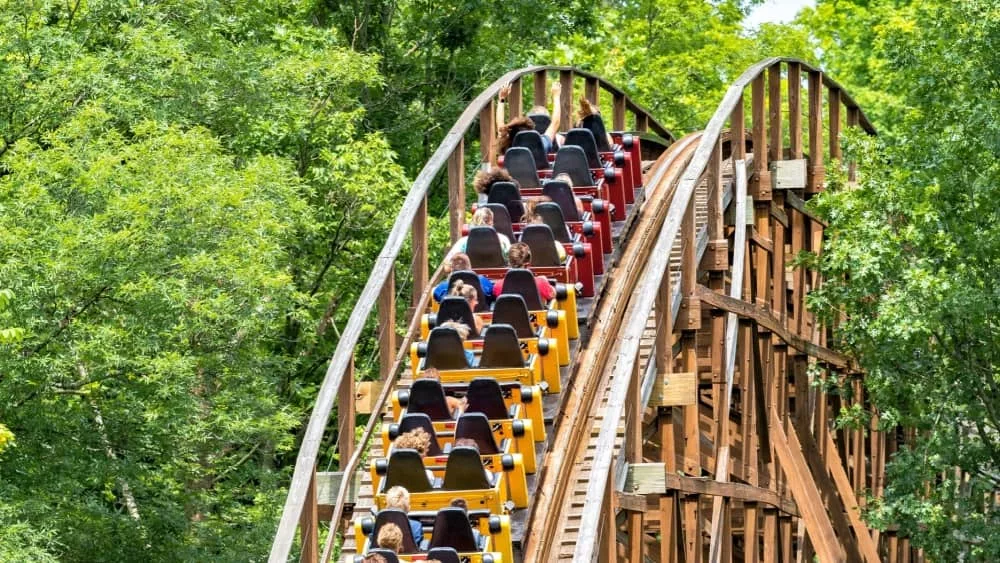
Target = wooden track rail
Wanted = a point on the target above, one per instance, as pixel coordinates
(300, 517)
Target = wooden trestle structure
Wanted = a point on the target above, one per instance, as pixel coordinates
(694, 426)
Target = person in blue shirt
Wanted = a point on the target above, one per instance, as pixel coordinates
(463, 332)
(399, 498)
(458, 262)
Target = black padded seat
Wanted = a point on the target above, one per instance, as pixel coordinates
(483, 248)
(465, 471)
(573, 161)
(501, 348)
(426, 396)
(485, 396)
(399, 518)
(584, 138)
(501, 220)
(412, 421)
(511, 310)
(541, 121)
(532, 140)
(389, 555)
(444, 555)
(509, 195)
(552, 215)
(452, 529)
(454, 308)
(406, 469)
(595, 123)
(543, 246)
(471, 278)
(520, 281)
(445, 350)
(562, 195)
(521, 165)
(475, 426)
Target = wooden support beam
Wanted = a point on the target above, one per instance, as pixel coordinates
(309, 524)
(488, 132)
(641, 122)
(794, 110)
(654, 479)
(760, 183)
(618, 113)
(591, 90)
(834, 111)
(816, 170)
(737, 125)
(420, 266)
(867, 547)
(541, 88)
(387, 326)
(514, 100)
(456, 191)
(853, 117)
(346, 417)
(566, 99)
(774, 112)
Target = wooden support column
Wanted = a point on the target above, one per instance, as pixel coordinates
(816, 173)
(387, 325)
(795, 110)
(420, 267)
(665, 419)
(737, 124)
(689, 321)
(514, 100)
(716, 258)
(456, 191)
(774, 112)
(591, 90)
(346, 416)
(641, 123)
(760, 183)
(618, 113)
(566, 79)
(609, 540)
(309, 524)
(488, 133)
(541, 88)
(834, 111)
(633, 451)
(853, 120)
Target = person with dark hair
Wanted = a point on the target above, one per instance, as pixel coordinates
(460, 262)
(523, 123)
(520, 257)
(486, 178)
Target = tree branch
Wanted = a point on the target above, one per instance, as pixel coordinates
(66, 320)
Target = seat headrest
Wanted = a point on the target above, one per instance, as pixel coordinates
(452, 529)
(475, 426)
(596, 125)
(532, 140)
(445, 350)
(483, 248)
(464, 471)
(511, 310)
(541, 121)
(406, 469)
(454, 308)
(485, 396)
(520, 281)
(552, 215)
(562, 195)
(502, 192)
(426, 396)
(543, 246)
(444, 554)
(584, 139)
(573, 161)
(501, 349)
(414, 420)
(471, 278)
(501, 220)
(521, 164)
(399, 518)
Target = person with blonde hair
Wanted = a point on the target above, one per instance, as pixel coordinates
(457, 263)
(399, 498)
(471, 296)
(483, 217)
(390, 537)
(463, 331)
(534, 218)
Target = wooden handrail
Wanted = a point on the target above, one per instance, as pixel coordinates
(305, 465)
(644, 298)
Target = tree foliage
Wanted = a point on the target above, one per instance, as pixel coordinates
(912, 259)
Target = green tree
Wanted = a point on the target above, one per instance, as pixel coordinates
(912, 256)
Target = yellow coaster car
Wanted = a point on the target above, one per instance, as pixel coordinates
(464, 477)
(475, 426)
(514, 410)
(455, 535)
(509, 309)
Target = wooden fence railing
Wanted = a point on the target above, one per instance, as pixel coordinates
(301, 515)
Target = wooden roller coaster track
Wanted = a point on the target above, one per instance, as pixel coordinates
(694, 426)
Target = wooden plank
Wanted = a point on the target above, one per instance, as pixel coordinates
(346, 418)
(566, 100)
(591, 91)
(774, 112)
(864, 539)
(456, 191)
(328, 484)
(789, 174)
(760, 183)
(541, 88)
(804, 492)
(618, 112)
(816, 171)
(488, 133)
(387, 326)
(420, 266)
(798, 204)
(309, 525)
(641, 481)
(514, 99)
(767, 320)
(834, 111)
(680, 389)
(795, 110)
